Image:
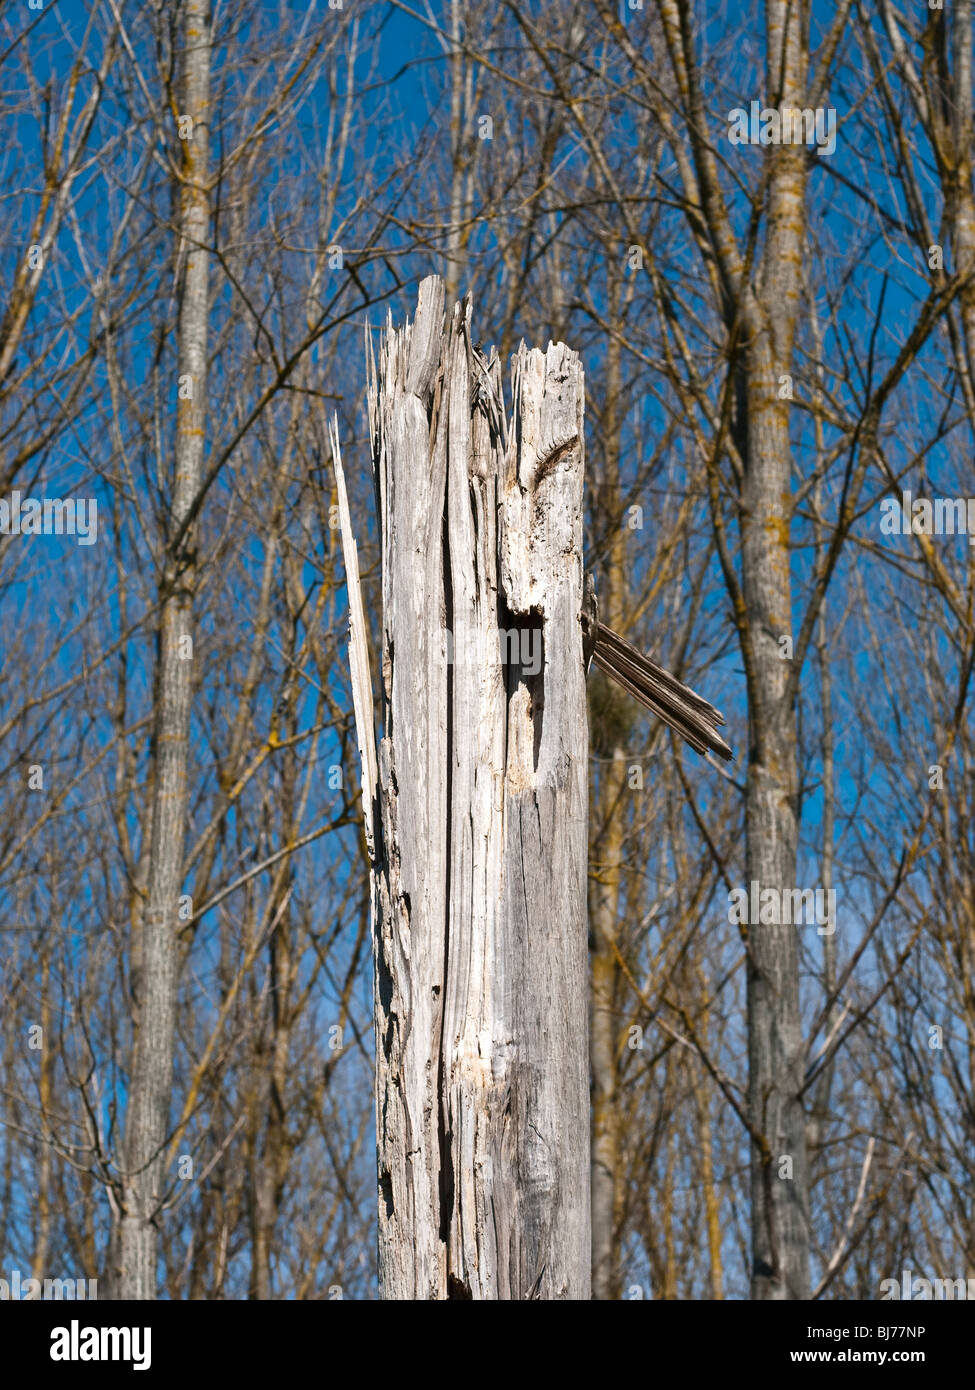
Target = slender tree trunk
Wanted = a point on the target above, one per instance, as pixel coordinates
(43, 1192)
(478, 818)
(819, 1110)
(605, 882)
(779, 1177)
(959, 192)
(604, 1024)
(960, 199)
(147, 1118)
(270, 1155)
(779, 1167)
(701, 1085)
(461, 71)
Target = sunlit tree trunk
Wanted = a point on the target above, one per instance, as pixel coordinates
(147, 1117)
(605, 886)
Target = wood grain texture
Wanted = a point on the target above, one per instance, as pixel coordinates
(479, 875)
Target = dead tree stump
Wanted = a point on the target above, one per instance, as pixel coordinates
(476, 812)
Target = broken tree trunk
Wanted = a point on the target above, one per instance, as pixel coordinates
(476, 812)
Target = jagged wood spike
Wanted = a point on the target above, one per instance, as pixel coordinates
(679, 707)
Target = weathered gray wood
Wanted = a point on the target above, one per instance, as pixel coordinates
(482, 1101)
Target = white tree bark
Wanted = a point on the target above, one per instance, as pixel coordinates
(479, 882)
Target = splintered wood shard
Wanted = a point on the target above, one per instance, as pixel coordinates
(479, 867)
(680, 708)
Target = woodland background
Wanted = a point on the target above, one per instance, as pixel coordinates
(220, 1044)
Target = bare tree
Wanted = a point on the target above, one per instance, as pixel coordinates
(147, 1117)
